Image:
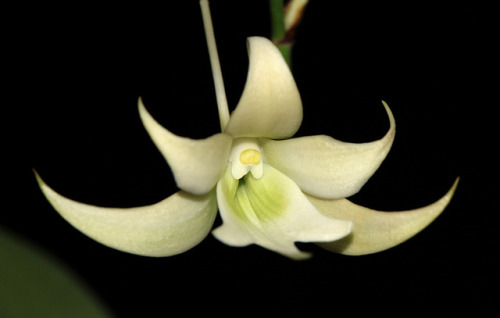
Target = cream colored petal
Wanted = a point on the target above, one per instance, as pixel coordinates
(375, 231)
(169, 227)
(325, 167)
(272, 212)
(270, 105)
(196, 164)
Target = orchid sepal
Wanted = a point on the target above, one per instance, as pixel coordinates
(375, 231)
(169, 227)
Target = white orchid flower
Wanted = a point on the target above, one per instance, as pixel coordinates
(270, 192)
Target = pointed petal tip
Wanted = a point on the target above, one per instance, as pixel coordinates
(196, 163)
(328, 168)
(392, 120)
(142, 108)
(41, 183)
(376, 231)
(169, 227)
(37, 175)
(453, 188)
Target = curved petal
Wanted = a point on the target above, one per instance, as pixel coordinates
(272, 212)
(196, 164)
(169, 227)
(375, 231)
(270, 105)
(325, 167)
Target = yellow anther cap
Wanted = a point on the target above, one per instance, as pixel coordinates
(250, 157)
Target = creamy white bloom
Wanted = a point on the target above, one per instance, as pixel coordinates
(269, 192)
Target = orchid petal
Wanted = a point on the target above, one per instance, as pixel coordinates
(270, 105)
(273, 213)
(375, 231)
(325, 167)
(196, 164)
(169, 227)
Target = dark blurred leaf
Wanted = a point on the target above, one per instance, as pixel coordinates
(33, 284)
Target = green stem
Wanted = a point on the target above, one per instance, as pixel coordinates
(277, 20)
(278, 29)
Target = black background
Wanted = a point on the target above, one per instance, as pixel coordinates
(79, 69)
